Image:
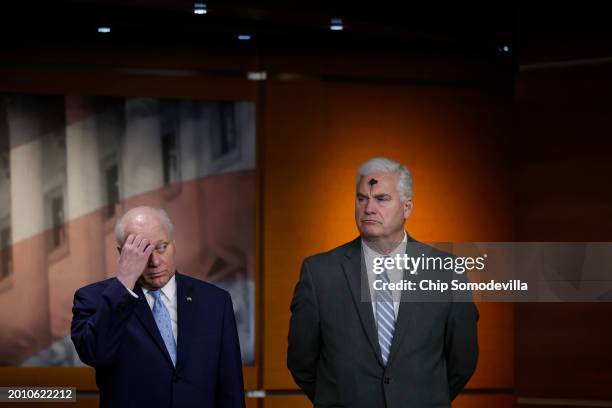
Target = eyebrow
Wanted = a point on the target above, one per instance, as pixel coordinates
(379, 195)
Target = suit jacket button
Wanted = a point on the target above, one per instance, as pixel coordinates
(387, 380)
(177, 379)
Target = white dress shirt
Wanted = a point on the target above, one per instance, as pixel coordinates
(168, 297)
(395, 275)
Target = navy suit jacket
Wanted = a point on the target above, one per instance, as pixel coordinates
(116, 334)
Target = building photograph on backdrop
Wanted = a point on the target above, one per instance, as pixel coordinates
(71, 165)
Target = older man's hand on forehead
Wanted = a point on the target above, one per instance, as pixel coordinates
(134, 257)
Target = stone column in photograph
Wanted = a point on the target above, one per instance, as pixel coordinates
(24, 307)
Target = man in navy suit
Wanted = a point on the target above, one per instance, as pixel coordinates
(157, 338)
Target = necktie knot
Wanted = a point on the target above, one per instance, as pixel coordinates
(155, 294)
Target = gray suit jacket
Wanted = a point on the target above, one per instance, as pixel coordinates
(334, 354)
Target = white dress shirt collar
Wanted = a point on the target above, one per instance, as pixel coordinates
(168, 290)
(168, 298)
(399, 249)
(395, 275)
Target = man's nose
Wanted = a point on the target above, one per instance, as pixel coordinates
(154, 259)
(370, 207)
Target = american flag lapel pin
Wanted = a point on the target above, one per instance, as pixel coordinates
(189, 298)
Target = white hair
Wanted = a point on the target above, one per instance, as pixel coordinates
(120, 225)
(385, 165)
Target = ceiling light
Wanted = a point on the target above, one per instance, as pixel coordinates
(104, 29)
(244, 37)
(504, 48)
(336, 24)
(199, 8)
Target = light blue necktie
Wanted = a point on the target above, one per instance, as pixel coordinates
(385, 318)
(162, 318)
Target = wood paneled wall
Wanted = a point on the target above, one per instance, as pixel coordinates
(564, 163)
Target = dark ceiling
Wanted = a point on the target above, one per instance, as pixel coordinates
(477, 30)
(470, 30)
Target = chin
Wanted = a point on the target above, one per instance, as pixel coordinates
(157, 283)
(369, 233)
(370, 229)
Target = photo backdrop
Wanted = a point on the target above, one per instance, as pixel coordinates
(70, 165)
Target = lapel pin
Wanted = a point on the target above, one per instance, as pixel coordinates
(189, 298)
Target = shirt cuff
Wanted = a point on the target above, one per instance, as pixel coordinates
(130, 290)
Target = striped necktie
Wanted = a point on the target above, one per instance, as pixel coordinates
(162, 318)
(385, 317)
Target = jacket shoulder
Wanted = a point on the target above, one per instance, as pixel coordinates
(206, 288)
(334, 256)
(96, 286)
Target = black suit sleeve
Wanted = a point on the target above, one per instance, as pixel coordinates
(461, 343)
(230, 388)
(99, 322)
(304, 334)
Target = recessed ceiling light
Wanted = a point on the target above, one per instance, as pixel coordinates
(244, 37)
(336, 24)
(504, 49)
(104, 29)
(199, 8)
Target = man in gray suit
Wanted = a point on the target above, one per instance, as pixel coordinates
(353, 346)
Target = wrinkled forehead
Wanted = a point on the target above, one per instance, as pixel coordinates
(378, 182)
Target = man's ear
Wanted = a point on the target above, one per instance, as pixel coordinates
(407, 208)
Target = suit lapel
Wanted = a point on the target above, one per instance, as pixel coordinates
(358, 283)
(408, 309)
(145, 315)
(406, 317)
(185, 305)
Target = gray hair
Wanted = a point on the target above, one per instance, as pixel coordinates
(120, 225)
(385, 165)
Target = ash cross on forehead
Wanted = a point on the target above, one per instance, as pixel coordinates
(371, 183)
